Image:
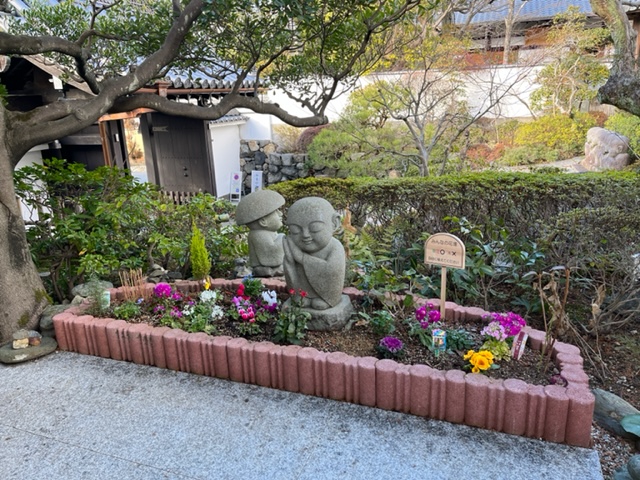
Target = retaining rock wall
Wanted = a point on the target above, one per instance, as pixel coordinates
(276, 167)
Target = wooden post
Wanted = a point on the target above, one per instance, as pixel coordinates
(444, 250)
(443, 290)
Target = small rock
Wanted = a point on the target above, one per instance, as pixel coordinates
(634, 467)
(86, 289)
(8, 355)
(34, 338)
(77, 300)
(622, 474)
(46, 318)
(610, 409)
(20, 340)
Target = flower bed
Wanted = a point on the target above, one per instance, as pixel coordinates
(555, 413)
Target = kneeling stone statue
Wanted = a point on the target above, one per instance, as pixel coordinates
(314, 261)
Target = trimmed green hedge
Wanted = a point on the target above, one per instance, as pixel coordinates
(531, 205)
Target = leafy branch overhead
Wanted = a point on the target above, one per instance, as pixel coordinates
(118, 47)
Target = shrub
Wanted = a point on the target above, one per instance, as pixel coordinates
(96, 223)
(627, 125)
(528, 155)
(482, 155)
(559, 132)
(513, 223)
(286, 136)
(200, 260)
(307, 136)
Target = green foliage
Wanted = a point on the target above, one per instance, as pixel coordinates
(95, 223)
(562, 133)
(499, 348)
(252, 286)
(249, 36)
(382, 322)
(589, 222)
(459, 340)
(291, 324)
(402, 126)
(627, 125)
(200, 260)
(528, 155)
(494, 259)
(576, 73)
(127, 310)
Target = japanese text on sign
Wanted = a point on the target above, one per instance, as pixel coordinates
(445, 250)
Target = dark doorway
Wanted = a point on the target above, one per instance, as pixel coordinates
(177, 153)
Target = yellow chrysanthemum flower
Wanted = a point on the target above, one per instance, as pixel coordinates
(475, 370)
(468, 355)
(207, 283)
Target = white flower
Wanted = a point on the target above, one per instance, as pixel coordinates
(217, 312)
(209, 296)
(269, 297)
(188, 310)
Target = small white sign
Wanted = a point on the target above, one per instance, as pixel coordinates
(236, 187)
(256, 180)
(519, 342)
(445, 250)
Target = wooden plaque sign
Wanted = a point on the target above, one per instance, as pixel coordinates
(445, 250)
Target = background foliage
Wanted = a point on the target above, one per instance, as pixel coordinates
(93, 223)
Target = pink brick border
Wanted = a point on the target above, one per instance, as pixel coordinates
(552, 413)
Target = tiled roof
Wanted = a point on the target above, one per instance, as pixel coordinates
(205, 83)
(230, 118)
(530, 10)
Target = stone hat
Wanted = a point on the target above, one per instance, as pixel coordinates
(257, 205)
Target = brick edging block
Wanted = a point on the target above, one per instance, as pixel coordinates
(552, 413)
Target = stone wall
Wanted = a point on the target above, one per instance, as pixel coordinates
(276, 167)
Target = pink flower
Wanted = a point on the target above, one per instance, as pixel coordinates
(162, 290)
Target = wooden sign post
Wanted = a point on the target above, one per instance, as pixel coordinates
(445, 250)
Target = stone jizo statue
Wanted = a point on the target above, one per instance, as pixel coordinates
(260, 211)
(314, 261)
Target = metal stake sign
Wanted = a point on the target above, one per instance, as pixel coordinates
(445, 250)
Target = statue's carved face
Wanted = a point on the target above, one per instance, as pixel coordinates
(311, 228)
(272, 222)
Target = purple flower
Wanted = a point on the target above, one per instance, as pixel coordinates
(511, 322)
(158, 309)
(175, 312)
(426, 315)
(392, 344)
(162, 290)
(176, 296)
(494, 330)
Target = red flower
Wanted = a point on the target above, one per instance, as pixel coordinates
(292, 291)
(303, 293)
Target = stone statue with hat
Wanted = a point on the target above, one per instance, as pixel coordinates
(260, 211)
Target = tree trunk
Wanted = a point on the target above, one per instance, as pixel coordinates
(508, 24)
(22, 294)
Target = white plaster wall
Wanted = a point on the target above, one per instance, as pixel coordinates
(32, 157)
(225, 146)
(258, 127)
(519, 79)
